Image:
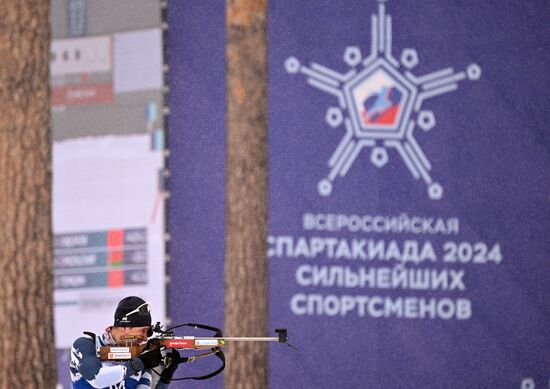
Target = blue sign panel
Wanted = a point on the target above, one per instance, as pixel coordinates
(196, 140)
(409, 193)
(76, 18)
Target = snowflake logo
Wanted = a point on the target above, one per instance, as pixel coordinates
(380, 103)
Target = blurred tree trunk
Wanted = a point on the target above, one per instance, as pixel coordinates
(246, 196)
(27, 350)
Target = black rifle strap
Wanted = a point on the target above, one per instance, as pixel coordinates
(214, 351)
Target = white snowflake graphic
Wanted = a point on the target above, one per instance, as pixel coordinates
(380, 103)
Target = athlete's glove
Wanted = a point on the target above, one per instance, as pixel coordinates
(168, 372)
(150, 356)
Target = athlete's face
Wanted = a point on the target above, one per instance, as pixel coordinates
(122, 333)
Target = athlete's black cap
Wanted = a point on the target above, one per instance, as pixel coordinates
(132, 311)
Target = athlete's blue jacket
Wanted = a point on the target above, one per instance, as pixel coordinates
(87, 371)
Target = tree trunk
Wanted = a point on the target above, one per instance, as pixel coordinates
(27, 347)
(246, 196)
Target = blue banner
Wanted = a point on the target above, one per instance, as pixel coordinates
(196, 140)
(409, 193)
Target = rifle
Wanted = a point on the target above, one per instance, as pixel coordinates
(167, 339)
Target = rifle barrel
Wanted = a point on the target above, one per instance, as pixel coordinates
(235, 338)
